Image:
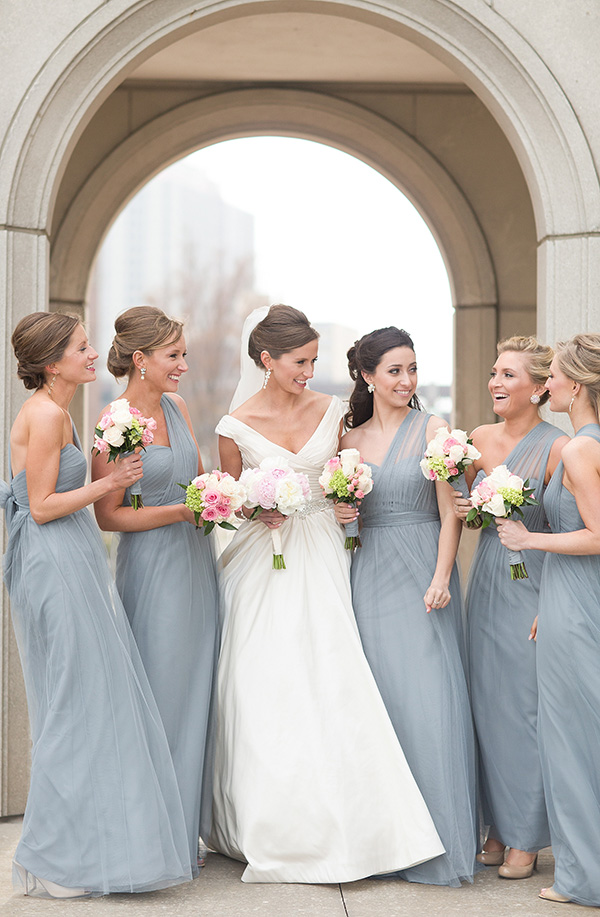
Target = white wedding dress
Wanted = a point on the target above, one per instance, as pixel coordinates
(311, 784)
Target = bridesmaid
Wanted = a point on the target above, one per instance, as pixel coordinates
(103, 813)
(500, 612)
(568, 643)
(165, 568)
(405, 569)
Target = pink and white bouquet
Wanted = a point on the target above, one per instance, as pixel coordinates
(214, 497)
(119, 431)
(447, 456)
(347, 479)
(501, 495)
(275, 485)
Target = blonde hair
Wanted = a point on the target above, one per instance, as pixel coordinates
(144, 328)
(579, 360)
(539, 358)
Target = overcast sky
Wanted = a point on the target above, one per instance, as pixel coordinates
(336, 239)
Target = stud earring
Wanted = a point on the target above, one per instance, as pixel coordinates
(143, 373)
(267, 377)
(370, 388)
(535, 399)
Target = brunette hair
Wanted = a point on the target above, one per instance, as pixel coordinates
(283, 329)
(539, 358)
(144, 328)
(364, 357)
(40, 339)
(579, 359)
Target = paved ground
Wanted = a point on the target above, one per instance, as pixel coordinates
(218, 892)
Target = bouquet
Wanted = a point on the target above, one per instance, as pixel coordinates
(213, 498)
(502, 494)
(119, 431)
(346, 479)
(275, 485)
(447, 456)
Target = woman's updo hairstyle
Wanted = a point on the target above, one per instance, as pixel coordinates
(364, 357)
(282, 330)
(39, 340)
(144, 328)
(579, 359)
(538, 362)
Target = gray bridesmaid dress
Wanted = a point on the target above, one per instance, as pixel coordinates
(103, 811)
(417, 658)
(568, 662)
(166, 578)
(502, 662)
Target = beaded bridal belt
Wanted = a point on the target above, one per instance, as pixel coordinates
(314, 506)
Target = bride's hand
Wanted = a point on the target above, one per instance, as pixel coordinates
(272, 518)
(345, 512)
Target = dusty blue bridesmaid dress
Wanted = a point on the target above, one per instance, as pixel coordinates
(418, 658)
(502, 663)
(167, 581)
(568, 662)
(103, 811)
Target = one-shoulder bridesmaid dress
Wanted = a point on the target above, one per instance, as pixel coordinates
(104, 812)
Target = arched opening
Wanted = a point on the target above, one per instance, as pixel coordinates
(289, 220)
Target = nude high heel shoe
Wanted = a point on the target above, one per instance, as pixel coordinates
(507, 871)
(549, 894)
(491, 857)
(44, 888)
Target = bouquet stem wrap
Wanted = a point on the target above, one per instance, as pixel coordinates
(352, 537)
(278, 561)
(135, 491)
(517, 565)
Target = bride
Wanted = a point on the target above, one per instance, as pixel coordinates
(311, 784)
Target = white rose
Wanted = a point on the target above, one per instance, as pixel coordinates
(349, 458)
(515, 482)
(324, 482)
(459, 435)
(249, 479)
(121, 415)
(365, 481)
(500, 475)
(456, 453)
(113, 436)
(212, 482)
(472, 453)
(495, 505)
(235, 491)
(434, 448)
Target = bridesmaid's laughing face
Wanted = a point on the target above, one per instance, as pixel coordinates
(77, 362)
(166, 365)
(395, 378)
(511, 386)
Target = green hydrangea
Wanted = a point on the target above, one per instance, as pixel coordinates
(514, 497)
(339, 484)
(136, 431)
(438, 465)
(193, 498)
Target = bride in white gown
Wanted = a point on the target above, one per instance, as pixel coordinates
(311, 784)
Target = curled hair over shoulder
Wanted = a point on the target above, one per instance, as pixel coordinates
(144, 328)
(579, 360)
(539, 357)
(282, 330)
(364, 357)
(39, 340)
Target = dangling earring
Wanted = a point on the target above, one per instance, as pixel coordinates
(143, 373)
(51, 386)
(535, 399)
(571, 403)
(370, 388)
(267, 377)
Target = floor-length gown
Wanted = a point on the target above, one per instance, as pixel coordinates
(568, 663)
(503, 665)
(167, 580)
(311, 784)
(418, 659)
(103, 811)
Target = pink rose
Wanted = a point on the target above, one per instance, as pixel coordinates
(147, 437)
(359, 494)
(449, 442)
(485, 492)
(211, 497)
(453, 470)
(150, 424)
(223, 510)
(334, 463)
(432, 475)
(105, 421)
(279, 472)
(209, 514)
(135, 412)
(101, 445)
